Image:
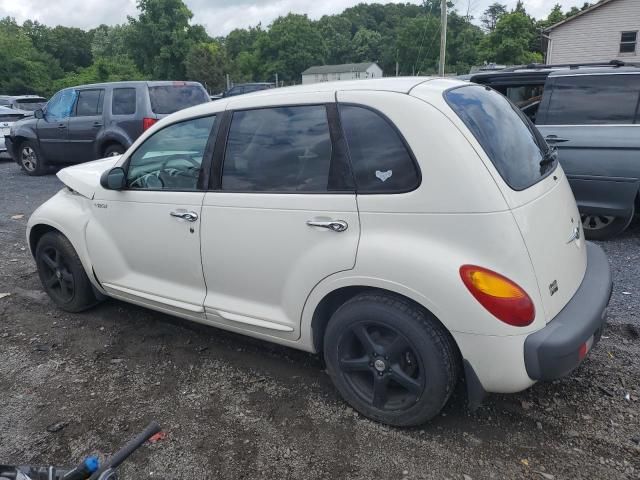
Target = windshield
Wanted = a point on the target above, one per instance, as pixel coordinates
(171, 98)
(30, 104)
(510, 140)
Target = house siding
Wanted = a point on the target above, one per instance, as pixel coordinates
(373, 71)
(595, 36)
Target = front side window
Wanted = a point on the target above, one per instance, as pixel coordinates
(282, 149)
(89, 103)
(379, 158)
(171, 158)
(61, 105)
(593, 100)
(123, 101)
(509, 139)
(628, 42)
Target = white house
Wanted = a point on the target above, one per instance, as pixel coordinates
(346, 71)
(606, 31)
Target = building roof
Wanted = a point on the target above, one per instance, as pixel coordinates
(579, 14)
(344, 68)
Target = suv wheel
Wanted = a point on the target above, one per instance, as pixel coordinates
(62, 274)
(113, 150)
(390, 360)
(601, 227)
(30, 158)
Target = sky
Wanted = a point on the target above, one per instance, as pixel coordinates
(221, 16)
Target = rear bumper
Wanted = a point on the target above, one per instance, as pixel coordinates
(8, 144)
(555, 351)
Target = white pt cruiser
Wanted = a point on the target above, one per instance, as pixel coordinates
(413, 230)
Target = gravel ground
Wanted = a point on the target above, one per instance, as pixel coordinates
(234, 407)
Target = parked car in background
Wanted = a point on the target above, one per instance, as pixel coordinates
(28, 103)
(243, 88)
(590, 113)
(87, 122)
(8, 116)
(408, 256)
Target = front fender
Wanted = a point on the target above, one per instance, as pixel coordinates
(68, 213)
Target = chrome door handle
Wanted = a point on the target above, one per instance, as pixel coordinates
(335, 225)
(555, 139)
(188, 216)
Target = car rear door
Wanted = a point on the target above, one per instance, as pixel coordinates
(593, 121)
(280, 217)
(85, 124)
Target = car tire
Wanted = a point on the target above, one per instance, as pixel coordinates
(62, 274)
(30, 158)
(600, 227)
(390, 360)
(113, 149)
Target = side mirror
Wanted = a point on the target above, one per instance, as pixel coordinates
(39, 114)
(114, 179)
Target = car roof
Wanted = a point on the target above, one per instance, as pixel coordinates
(594, 70)
(542, 71)
(133, 83)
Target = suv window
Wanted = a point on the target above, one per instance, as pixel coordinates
(509, 139)
(379, 158)
(171, 98)
(61, 105)
(89, 103)
(123, 101)
(171, 158)
(593, 100)
(281, 149)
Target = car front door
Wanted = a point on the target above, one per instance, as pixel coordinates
(283, 214)
(85, 124)
(592, 120)
(53, 131)
(144, 241)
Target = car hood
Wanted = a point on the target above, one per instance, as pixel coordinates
(85, 177)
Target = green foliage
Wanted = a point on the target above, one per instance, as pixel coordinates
(162, 43)
(207, 63)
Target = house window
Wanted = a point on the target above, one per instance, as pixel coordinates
(357, 74)
(325, 77)
(628, 42)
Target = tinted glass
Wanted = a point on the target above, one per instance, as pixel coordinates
(284, 149)
(508, 138)
(171, 98)
(89, 103)
(123, 101)
(171, 158)
(61, 105)
(30, 104)
(628, 36)
(593, 100)
(380, 160)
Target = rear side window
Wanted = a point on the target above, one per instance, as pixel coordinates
(167, 99)
(283, 149)
(89, 103)
(509, 139)
(593, 100)
(379, 158)
(123, 101)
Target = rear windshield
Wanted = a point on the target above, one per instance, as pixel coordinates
(31, 104)
(171, 98)
(509, 139)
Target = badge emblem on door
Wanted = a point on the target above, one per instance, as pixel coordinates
(553, 287)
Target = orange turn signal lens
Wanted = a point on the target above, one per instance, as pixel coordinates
(503, 298)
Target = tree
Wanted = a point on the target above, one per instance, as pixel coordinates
(491, 16)
(292, 44)
(366, 45)
(510, 42)
(207, 63)
(110, 41)
(160, 36)
(337, 35)
(106, 69)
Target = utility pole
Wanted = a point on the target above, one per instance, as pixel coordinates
(277, 80)
(443, 35)
(228, 82)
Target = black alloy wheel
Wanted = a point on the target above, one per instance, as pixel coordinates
(58, 278)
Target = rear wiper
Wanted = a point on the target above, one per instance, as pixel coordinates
(550, 156)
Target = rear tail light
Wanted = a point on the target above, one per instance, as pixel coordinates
(503, 298)
(147, 122)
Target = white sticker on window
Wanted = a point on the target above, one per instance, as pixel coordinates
(384, 175)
